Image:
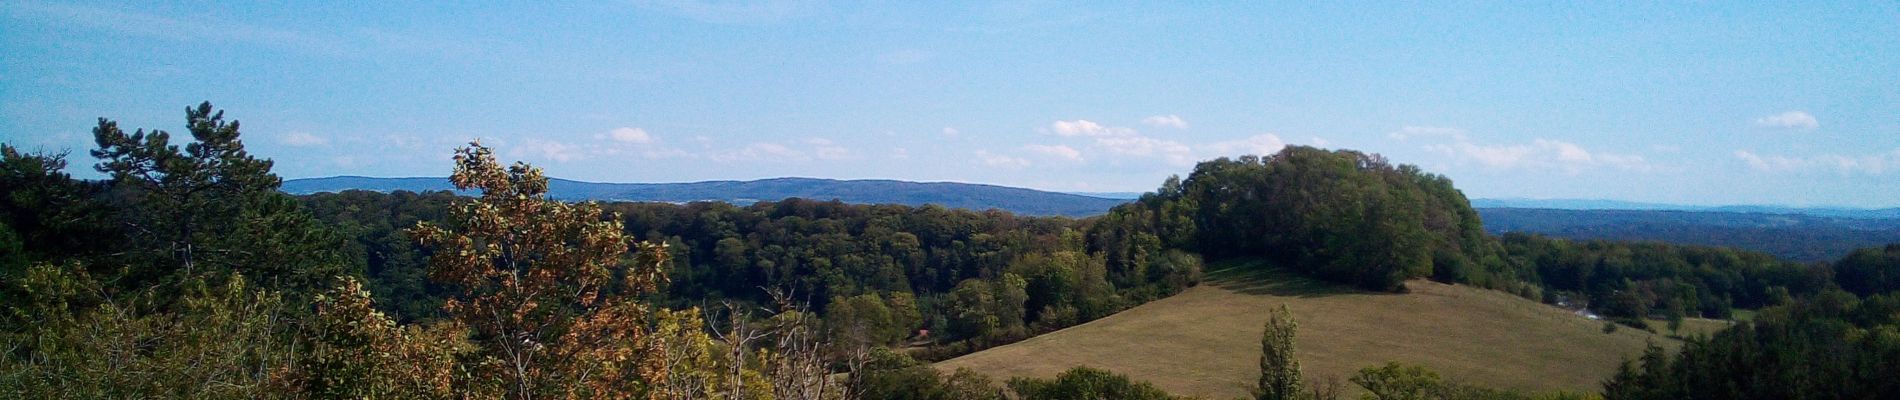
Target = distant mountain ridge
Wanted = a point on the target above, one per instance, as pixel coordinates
(864, 191)
(1791, 236)
(1591, 204)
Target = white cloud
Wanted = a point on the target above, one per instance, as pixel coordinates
(1056, 151)
(1264, 144)
(1427, 132)
(825, 149)
(548, 150)
(304, 139)
(1146, 146)
(951, 132)
(1083, 127)
(999, 160)
(1789, 120)
(899, 153)
(1539, 154)
(1496, 156)
(1320, 142)
(1871, 164)
(831, 152)
(767, 152)
(630, 135)
(1169, 121)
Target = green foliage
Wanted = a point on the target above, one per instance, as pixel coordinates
(1868, 272)
(353, 351)
(394, 267)
(1084, 383)
(1341, 215)
(1629, 281)
(209, 207)
(1394, 381)
(1828, 346)
(868, 320)
(213, 341)
(52, 216)
(1279, 369)
(822, 252)
(1397, 382)
(548, 289)
(891, 375)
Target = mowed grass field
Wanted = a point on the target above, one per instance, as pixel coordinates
(1206, 340)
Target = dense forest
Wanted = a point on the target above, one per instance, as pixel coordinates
(188, 273)
(884, 273)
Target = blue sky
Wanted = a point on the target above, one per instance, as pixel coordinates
(1694, 103)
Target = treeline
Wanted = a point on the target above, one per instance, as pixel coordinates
(1833, 345)
(955, 280)
(1629, 281)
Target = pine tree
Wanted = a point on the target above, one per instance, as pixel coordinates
(1279, 371)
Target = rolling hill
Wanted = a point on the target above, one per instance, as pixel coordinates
(1206, 340)
(947, 194)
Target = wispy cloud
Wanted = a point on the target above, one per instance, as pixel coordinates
(1083, 127)
(1789, 120)
(1539, 154)
(1263, 144)
(217, 28)
(630, 135)
(550, 150)
(999, 160)
(825, 149)
(1060, 152)
(1167, 121)
(148, 25)
(1871, 164)
(1127, 142)
(801, 151)
(304, 139)
(762, 151)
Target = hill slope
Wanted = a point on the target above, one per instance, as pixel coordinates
(947, 194)
(1206, 340)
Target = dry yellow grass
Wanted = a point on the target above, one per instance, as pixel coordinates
(1206, 340)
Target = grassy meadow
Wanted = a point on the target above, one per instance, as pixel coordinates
(1206, 340)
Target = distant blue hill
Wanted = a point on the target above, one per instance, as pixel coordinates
(1587, 204)
(1786, 233)
(1111, 195)
(869, 191)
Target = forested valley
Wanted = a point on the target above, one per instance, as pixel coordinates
(188, 274)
